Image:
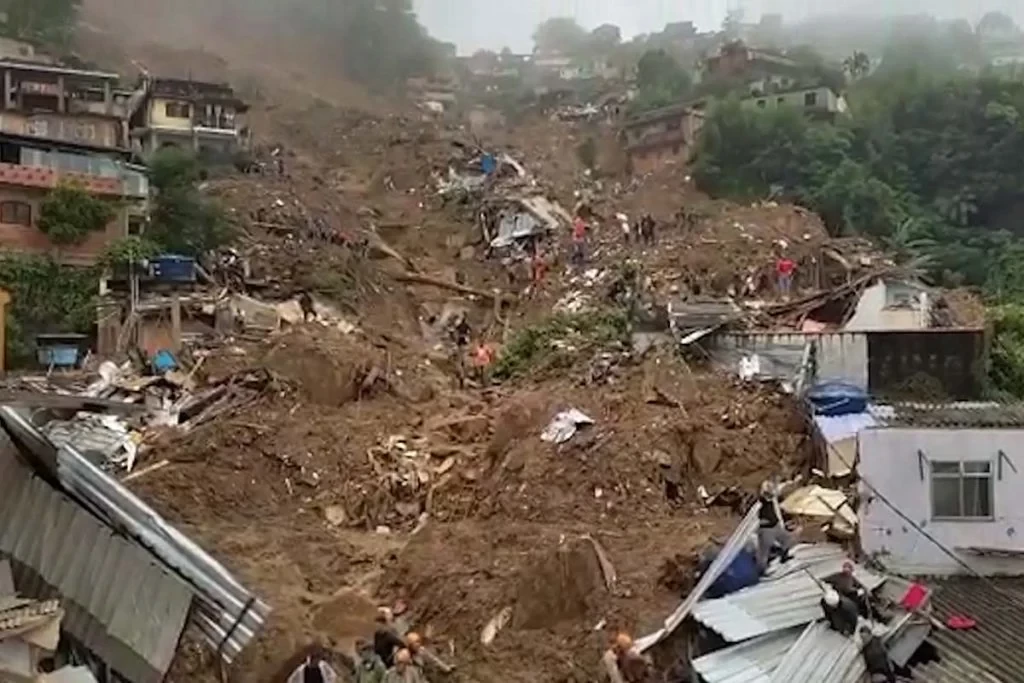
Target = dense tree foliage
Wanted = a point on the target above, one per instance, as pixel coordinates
(44, 21)
(70, 213)
(182, 221)
(661, 81)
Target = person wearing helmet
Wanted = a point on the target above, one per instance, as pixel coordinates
(623, 664)
(404, 670)
(840, 612)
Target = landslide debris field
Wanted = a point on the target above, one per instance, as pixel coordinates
(362, 474)
(358, 472)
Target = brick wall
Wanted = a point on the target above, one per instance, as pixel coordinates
(21, 239)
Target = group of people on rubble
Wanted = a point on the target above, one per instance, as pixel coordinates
(395, 655)
(845, 602)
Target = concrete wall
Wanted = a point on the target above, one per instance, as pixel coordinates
(874, 313)
(825, 100)
(158, 114)
(889, 461)
(840, 355)
(19, 238)
(84, 129)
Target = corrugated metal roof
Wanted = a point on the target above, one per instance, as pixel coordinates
(730, 550)
(118, 601)
(950, 415)
(752, 661)
(785, 598)
(821, 654)
(87, 435)
(994, 650)
(21, 612)
(226, 613)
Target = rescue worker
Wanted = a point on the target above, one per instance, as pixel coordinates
(369, 667)
(771, 530)
(314, 670)
(306, 304)
(876, 657)
(483, 358)
(579, 241)
(622, 664)
(538, 270)
(840, 612)
(404, 670)
(784, 269)
(647, 226)
(847, 585)
(424, 658)
(385, 640)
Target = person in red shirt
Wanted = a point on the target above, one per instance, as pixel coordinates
(784, 269)
(538, 269)
(579, 239)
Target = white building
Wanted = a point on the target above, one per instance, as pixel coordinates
(957, 472)
(891, 305)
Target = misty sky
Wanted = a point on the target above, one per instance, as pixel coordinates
(493, 24)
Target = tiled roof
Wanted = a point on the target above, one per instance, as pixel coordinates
(993, 651)
(950, 415)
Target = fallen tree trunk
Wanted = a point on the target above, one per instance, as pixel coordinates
(496, 295)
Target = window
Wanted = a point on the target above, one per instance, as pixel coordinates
(962, 490)
(16, 213)
(177, 110)
(762, 104)
(811, 99)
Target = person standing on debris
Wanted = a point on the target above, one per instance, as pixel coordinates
(579, 241)
(306, 304)
(771, 531)
(404, 670)
(424, 658)
(483, 358)
(840, 612)
(647, 226)
(385, 639)
(622, 664)
(368, 666)
(314, 670)
(847, 585)
(784, 269)
(538, 270)
(876, 657)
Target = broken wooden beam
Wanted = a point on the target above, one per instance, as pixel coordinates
(496, 295)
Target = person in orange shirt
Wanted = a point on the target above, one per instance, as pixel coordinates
(483, 358)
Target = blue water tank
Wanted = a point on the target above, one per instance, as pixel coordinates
(173, 268)
(832, 399)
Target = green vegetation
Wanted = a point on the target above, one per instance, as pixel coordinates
(69, 214)
(556, 340)
(182, 221)
(45, 297)
(661, 81)
(51, 22)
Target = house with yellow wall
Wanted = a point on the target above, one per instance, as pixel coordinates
(207, 118)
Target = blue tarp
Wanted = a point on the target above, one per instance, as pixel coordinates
(741, 573)
(488, 164)
(837, 398)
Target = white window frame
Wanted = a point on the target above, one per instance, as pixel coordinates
(961, 476)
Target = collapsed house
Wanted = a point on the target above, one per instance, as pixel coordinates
(129, 583)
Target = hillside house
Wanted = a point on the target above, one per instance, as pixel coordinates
(62, 125)
(818, 101)
(891, 304)
(195, 115)
(661, 136)
(955, 469)
(761, 70)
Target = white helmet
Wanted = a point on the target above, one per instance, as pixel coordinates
(831, 598)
